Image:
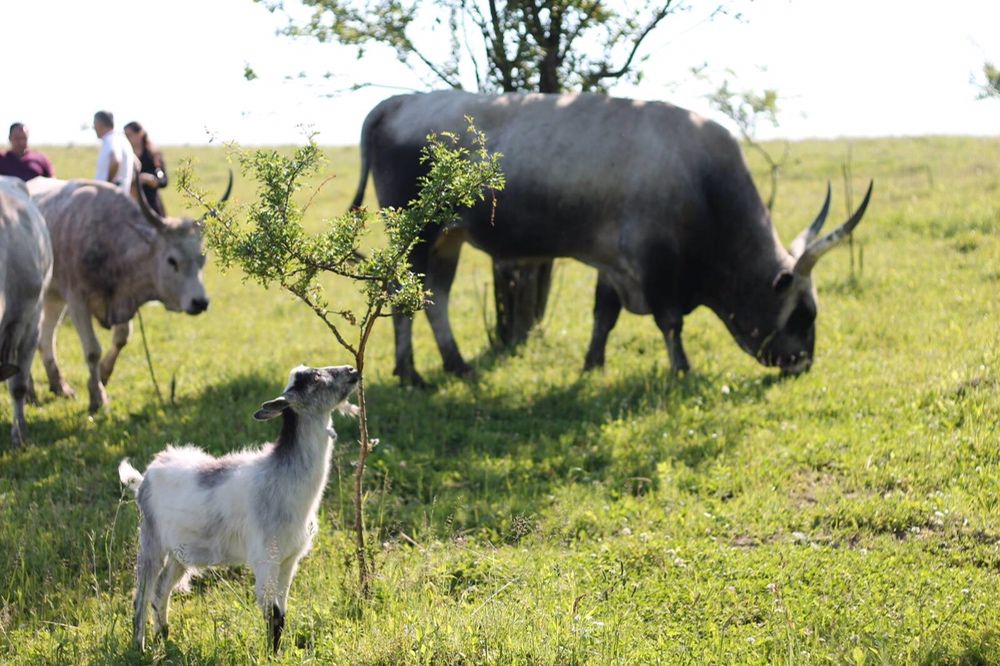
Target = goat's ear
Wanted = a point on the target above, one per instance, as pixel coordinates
(271, 409)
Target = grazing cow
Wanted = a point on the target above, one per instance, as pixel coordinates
(658, 199)
(25, 271)
(111, 256)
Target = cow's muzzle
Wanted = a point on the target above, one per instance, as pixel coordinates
(197, 306)
(794, 365)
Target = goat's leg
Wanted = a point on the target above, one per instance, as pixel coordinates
(280, 609)
(149, 563)
(267, 573)
(52, 313)
(120, 334)
(92, 350)
(165, 584)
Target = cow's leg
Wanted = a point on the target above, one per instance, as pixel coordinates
(52, 314)
(671, 321)
(120, 334)
(402, 326)
(607, 307)
(441, 266)
(19, 384)
(92, 352)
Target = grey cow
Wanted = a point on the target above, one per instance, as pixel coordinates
(25, 271)
(111, 256)
(658, 199)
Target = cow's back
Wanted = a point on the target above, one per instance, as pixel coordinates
(93, 226)
(579, 168)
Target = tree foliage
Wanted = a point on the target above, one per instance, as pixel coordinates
(748, 109)
(501, 45)
(990, 86)
(271, 246)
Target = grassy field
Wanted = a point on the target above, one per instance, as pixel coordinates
(537, 515)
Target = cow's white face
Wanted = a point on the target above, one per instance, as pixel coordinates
(774, 320)
(791, 342)
(179, 268)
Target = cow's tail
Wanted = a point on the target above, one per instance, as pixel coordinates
(367, 130)
(129, 476)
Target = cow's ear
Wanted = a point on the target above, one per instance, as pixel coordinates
(782, 281)
(7, 370)
(271, 409)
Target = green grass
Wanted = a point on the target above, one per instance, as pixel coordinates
(851, 515)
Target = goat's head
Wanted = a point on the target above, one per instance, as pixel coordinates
(313, 391)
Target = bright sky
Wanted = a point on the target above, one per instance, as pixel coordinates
(841, 67)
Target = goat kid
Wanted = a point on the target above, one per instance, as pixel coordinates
(256, 506)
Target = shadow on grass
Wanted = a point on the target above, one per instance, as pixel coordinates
(451, 461)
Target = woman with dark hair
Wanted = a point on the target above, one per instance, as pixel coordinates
(153, 171)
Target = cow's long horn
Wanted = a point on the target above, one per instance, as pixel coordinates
(816, 249)
(151, 215)
(225, 197)
(809, 234)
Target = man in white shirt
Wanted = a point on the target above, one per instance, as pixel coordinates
(115, 161)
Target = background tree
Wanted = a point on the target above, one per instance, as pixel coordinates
(990, 86)
(748, 109)
(272, 247)
(548, 46)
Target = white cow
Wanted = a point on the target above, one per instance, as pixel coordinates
(111, 256)
(25, 271)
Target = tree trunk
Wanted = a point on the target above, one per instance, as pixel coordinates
(521, 291)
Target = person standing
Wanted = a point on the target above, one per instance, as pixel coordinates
(115, 161)
(152, 168)
(23, 162)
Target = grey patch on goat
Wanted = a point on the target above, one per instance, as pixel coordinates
(215, 473)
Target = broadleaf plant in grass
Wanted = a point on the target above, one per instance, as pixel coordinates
(271, 246)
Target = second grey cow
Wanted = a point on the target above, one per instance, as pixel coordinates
(25, 270)
(111, 255)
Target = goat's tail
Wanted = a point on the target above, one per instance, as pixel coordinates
(129, 475)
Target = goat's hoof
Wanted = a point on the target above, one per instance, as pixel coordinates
(17, 437)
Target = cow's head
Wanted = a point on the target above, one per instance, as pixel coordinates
(179, 259)
(776, 320)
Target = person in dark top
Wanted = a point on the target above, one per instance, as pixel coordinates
(153, 171)
(22, 162)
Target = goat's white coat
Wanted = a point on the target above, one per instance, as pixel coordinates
(256, 506)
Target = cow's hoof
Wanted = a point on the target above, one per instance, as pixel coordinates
(63, 390)
(463, 370)
(16, 437)
(590, 363)
(98, 401)
(410, 377)
(31, 396)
